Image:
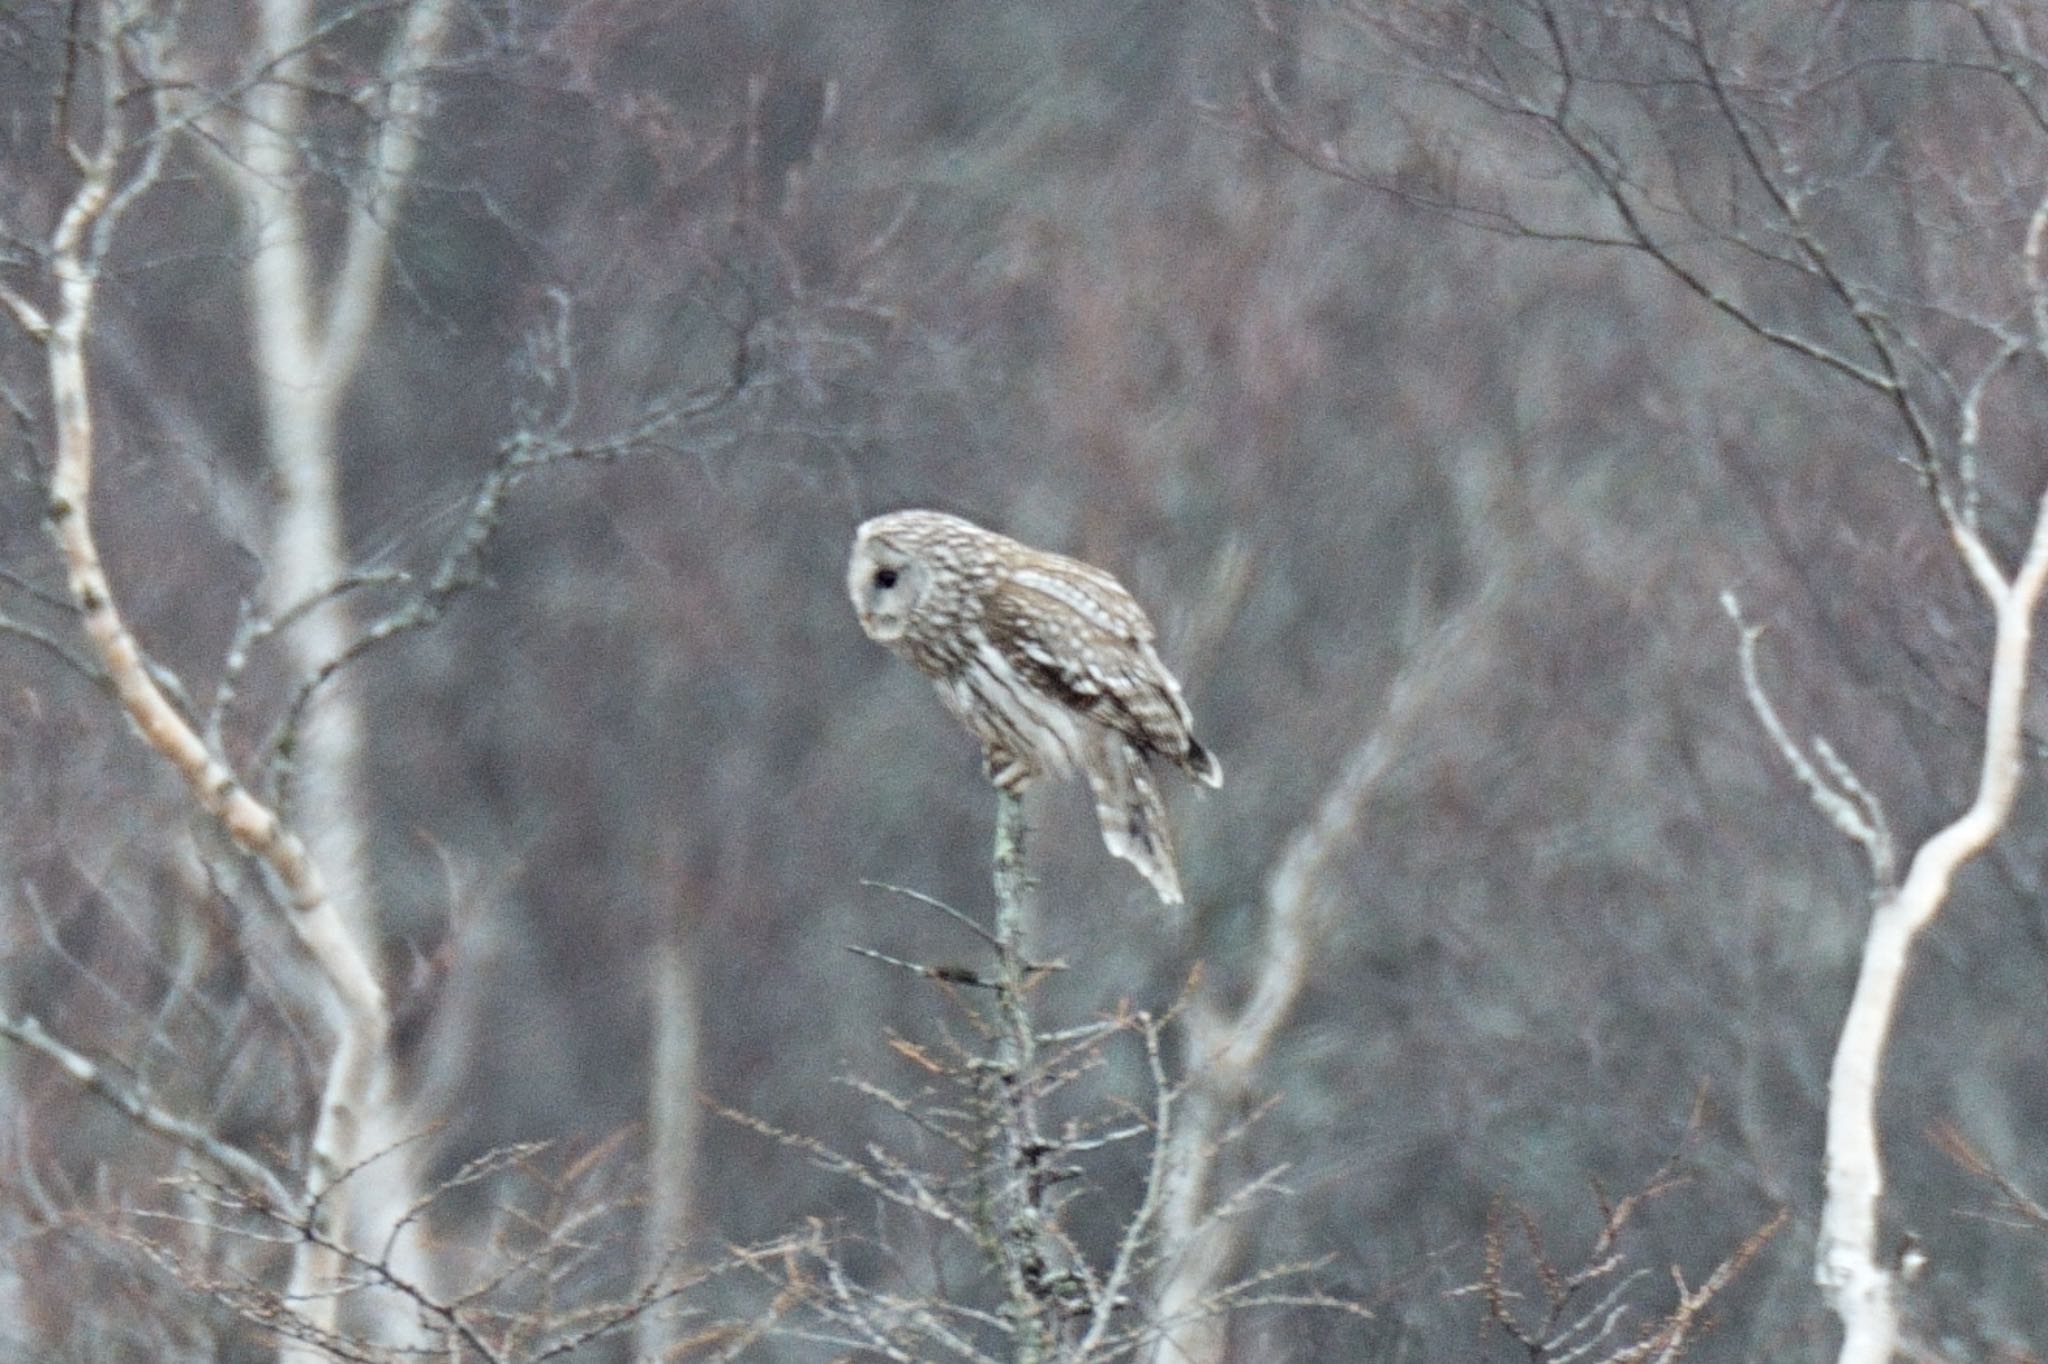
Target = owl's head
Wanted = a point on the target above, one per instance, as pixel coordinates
(887, 579)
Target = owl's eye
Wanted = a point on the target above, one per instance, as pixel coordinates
(885, 578)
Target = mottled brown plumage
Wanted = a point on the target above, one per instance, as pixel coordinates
(1046, 660)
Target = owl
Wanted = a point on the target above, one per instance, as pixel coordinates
(1046, 660)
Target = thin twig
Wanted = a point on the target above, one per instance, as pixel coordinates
(933, 902)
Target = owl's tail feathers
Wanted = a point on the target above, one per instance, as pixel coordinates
(1201, 764)
(1132, 814)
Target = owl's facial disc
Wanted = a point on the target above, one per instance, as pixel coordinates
(884, 583)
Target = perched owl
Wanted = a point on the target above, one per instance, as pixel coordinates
(1046, 660)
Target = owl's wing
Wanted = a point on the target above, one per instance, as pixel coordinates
(1086, 644)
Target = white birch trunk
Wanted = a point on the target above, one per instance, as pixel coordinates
(307, 351)
(1224, 1051)
(673, 1117)
(1857, 1282)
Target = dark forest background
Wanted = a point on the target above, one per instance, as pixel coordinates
(1375, 467)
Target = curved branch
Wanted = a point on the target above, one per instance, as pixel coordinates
(356, 1070)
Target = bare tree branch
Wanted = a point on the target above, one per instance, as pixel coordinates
(131, 1099)
(1851, 809)
(1225, 1051)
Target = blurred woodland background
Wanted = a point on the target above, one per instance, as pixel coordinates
(1432, 463)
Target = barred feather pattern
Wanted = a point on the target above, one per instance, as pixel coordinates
(1046, 660)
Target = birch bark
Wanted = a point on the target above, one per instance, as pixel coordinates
(111, 178)
(308, 336)
(1857, 1282)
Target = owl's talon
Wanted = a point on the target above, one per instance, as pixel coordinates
(1006, 773)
